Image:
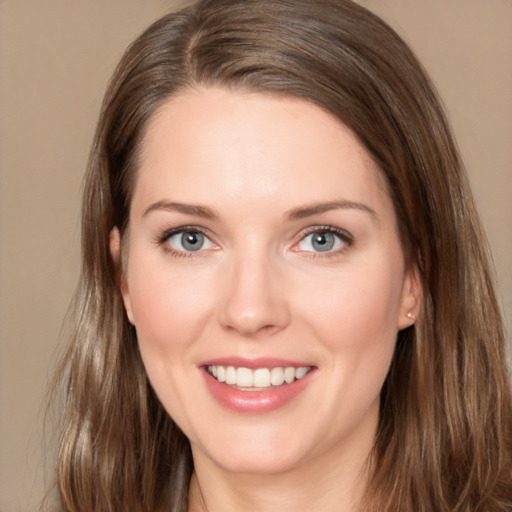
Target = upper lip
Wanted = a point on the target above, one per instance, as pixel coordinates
(254, 364)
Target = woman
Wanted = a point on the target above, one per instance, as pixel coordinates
(286, 298)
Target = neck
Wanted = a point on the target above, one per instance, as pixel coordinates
(327, 485)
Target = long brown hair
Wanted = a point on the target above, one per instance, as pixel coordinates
(444, 441)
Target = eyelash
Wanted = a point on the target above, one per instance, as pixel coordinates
(346, 238)
(166, 235)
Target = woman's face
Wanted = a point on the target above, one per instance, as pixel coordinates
(265, 278)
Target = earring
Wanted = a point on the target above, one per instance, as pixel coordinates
(411, 316)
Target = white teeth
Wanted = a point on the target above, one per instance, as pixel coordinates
(289, 374)
(230, 375)
(276, 376)
(300, 372)
(259, 378)
(244, 378)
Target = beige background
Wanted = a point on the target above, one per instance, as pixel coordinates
(55, 60)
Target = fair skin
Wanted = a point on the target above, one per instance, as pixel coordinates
(261, 236)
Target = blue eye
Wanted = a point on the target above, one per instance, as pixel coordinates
(323, 240)
(189, 241)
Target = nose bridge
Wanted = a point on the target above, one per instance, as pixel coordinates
(255, 295)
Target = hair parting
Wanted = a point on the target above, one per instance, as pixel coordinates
(444, 441)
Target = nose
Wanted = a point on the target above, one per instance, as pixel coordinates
(254, 297)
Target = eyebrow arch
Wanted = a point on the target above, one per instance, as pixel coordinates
(187, 209)
(318, 208)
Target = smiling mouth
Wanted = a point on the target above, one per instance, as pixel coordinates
(245, 379)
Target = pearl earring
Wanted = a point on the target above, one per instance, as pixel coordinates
(411, 316)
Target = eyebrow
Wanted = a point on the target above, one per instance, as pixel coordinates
(319, 208)
(301, 212)
(187, 209)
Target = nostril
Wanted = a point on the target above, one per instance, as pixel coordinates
(255, 323)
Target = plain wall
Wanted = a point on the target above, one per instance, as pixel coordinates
(55, 60)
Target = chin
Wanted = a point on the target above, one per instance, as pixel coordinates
(256, 452)
(264, 464)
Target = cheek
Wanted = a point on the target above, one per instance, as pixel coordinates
(354, 318)
(169, 305)
(356, 312)
(170, 308)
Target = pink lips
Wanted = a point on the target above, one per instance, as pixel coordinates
(255, 402)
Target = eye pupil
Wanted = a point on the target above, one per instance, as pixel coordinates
(323, 241)
(192, 241)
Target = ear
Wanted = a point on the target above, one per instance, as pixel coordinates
(115, 252)
(411, 300)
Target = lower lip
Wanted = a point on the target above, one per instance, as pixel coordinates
(255, 402)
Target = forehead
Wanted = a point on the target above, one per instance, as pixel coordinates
(254, 145)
